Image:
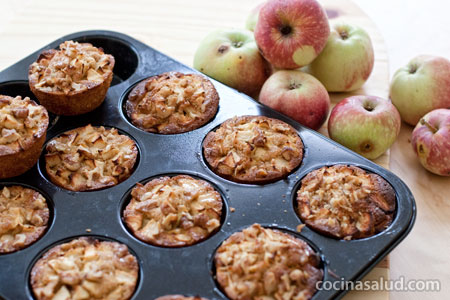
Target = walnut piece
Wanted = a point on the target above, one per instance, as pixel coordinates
(174, 211)
(90, 158)
(75, 67)
(346, 202)
(24, 217)
(261, 263)
(85, 268)
(172, 102)
(253, 149)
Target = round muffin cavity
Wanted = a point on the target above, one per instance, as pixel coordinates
(23, 126)
(72, 80)
(346, 202)
(261, 263)
(172, 103)
(253, 149)
(180, 297)
(90, 158)
(24, 216)
(85, 268)
(173, 211)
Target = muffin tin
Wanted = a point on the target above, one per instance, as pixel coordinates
(186, 270)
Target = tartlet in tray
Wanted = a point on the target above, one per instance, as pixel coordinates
(24, 216)
(90, 158)
(23, 128)
(262, 263)
(172, 103)
(173, 211)
(346, 202)
(72, 80)
(253, 149)
(85, 268)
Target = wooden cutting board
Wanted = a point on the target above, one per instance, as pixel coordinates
(175, 27)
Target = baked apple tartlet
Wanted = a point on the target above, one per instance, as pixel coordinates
(24, 216)
(173, 211)
(261, 263)
(85, 268)
(253, 149)
(23, 128)
(90, 158)
(172, 103)
(73, 80)
(346, 202)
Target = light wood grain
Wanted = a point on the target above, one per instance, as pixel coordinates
(176, 27)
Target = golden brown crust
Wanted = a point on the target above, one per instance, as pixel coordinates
(261, 263)
(180, 297)
(346, 202)
(73, 80)
(173, 211)
(172, 103)
(90, 158)
(24, 217)
(253, 149)
(23, 127)
(85, 268)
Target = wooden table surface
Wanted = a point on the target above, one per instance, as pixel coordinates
(176, 26)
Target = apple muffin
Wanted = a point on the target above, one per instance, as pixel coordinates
(173, 211)
(261, 263)
(172, 103)
(180, 297)
(345, 202)
(24, 216)
(85, 268)
(23, 128)
(253, 149)
(72, 80)
(90, 158)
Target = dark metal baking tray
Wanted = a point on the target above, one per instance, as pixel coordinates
(186, 270)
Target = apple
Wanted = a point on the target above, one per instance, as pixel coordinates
(431, 141)
(421, 86)
(252, 18)
(367, 125)
(297, 95)
(291, 33)
(232, 57)
(346, 61)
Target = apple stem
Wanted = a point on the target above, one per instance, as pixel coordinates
(238, 44)
(343, 34)
(431, 127)
(412, 69)
(294, 85)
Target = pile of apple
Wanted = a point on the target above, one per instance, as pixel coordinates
(290, 58)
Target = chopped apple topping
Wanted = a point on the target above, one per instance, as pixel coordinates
(111, 272)
(75, 67)
(90, 158)
(175, 211)
(260, 263)
(23, 217)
